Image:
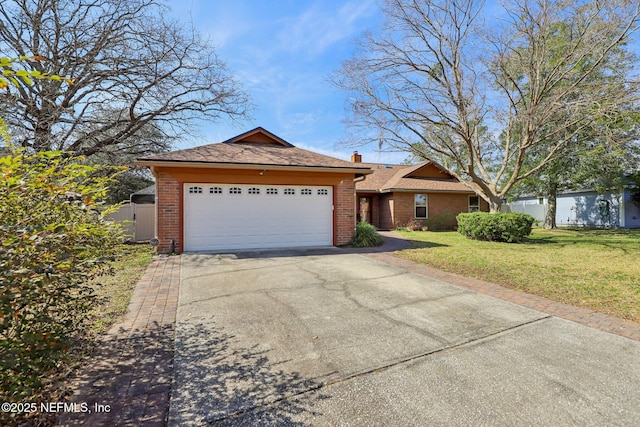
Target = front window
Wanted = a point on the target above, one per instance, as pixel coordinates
(474, 204)
(420, 203)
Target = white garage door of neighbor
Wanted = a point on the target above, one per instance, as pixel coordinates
(230, 216)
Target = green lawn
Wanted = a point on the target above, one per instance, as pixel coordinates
(598, 269)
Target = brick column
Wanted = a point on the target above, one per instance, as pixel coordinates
(345, 211)
(168, 206)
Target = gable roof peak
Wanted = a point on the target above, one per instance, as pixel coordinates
(258, 135)
(423, 166)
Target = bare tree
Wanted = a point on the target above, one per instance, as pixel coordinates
(444, 80)
(132, 68)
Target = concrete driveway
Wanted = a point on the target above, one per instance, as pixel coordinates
(330, 338)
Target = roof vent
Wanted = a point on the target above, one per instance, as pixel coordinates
(388, 167)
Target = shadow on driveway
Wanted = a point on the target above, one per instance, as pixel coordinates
(128, 381)
(392, 242)
(220, 380)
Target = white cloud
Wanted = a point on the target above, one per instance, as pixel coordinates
(318, 28)
(282, 53)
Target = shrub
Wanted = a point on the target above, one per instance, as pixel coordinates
(497, 227)
(54, 240)
(365, 236)
(414, 225)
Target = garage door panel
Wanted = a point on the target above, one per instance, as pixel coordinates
(224, 216)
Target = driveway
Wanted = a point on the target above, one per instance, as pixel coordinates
(324, 337)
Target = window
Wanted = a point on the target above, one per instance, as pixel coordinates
(289, 191)
(420, 204)
(474, 204)
(215, 190)
(272, 191)
(305, 191)
(254, 190)
(323, 192)
(195, 190)
(235, 190)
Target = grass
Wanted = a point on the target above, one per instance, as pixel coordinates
(597, 269)
(116, 290)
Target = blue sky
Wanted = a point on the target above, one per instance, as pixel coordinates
(283, 52)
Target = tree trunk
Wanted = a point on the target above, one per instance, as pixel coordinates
(495, 203)
(550, 217)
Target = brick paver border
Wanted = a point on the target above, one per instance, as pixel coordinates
(132, 368)
(585, 316)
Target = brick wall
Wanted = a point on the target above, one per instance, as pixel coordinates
(345, 211)
(443, 203)
(403, 208)
(439, 204)
(168, 202)
(375, 210)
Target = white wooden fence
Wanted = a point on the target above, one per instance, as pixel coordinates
(138, 220)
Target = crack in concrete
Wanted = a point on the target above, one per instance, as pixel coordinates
(440, 350)
(320, 281)
(253, 291)
(381, 312)
(387, 367)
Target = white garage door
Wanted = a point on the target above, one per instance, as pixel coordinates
(229, 216)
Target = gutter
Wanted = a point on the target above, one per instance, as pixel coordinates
(152, 164)
(426, 190)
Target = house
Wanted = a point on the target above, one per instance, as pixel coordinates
(255, 190)
(394, 195)
(587, 208)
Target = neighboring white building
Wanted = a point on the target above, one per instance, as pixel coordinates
(584, 208)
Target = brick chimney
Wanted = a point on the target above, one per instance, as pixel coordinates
(356, 158)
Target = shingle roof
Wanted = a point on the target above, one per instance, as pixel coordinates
(256, 147)
(387, 178)
(380, 176)
(150, 190)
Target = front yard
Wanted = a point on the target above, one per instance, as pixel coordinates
(115, 291)
(597, 269)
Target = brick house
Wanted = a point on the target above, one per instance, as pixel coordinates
(255, 190)
(393, 195)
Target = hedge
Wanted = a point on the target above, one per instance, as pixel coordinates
(495, 227)
(53, 241)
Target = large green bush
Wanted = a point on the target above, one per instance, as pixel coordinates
(496, 227)
(365, 236)
(54, 238)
